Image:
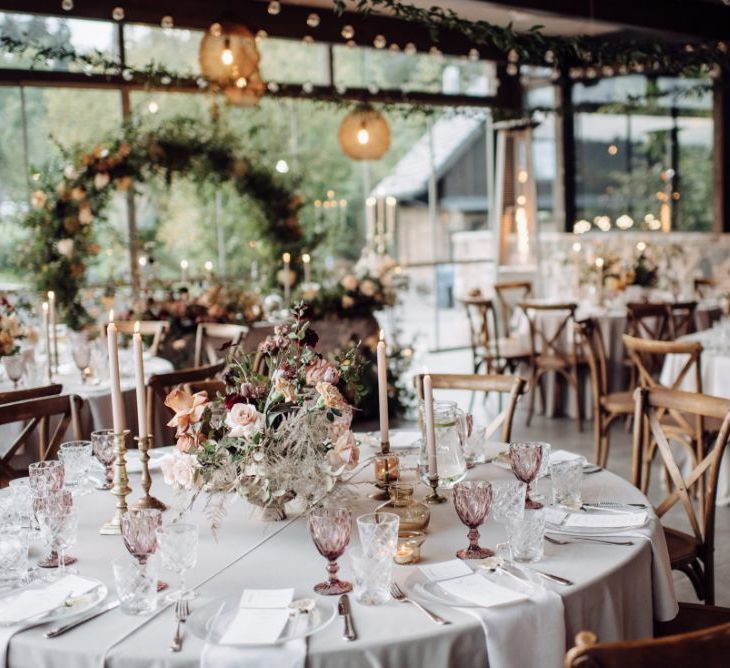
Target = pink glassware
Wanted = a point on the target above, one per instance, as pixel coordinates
(525, 460)
(472, 500)
(330, 529)
(44, 477)
(139, 534)
(57, 516)
(104, 449)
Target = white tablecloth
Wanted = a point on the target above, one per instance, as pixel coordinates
(612, 596)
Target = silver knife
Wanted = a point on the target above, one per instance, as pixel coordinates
(60, 630)
(343, 607)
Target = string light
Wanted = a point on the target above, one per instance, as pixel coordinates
(313, 20)
(282, 167)
(67, 5)
(379, 42)
(167, 22)
(153, 107)
(348, 32)
(410, 49)
(118, 14)
(274, 7)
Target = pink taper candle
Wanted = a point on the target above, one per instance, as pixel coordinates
(138, 350)
(430, 432)
(116, 388)
(383, 389)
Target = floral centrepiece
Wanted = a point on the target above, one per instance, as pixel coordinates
(12, 330)
(273, 436)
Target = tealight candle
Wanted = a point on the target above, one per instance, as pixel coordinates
(404, 554)
(387, 468)
(409, 547)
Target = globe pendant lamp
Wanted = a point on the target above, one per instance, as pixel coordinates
(245, 92)
(228, 54)
(364, 133)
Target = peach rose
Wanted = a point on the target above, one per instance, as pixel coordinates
(320, 370)
(244, 421)
(330, 395)
(368, 288)
(341, 423)
(285, 388)
(345, 453)
(189, 408)
(349, 282)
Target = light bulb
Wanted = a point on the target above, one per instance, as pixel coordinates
(227, 56)
(282, 167)
(363, 136)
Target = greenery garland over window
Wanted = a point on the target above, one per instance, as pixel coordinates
(70, 199)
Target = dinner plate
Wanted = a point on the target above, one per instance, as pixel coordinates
(210, 621)
(79, 604)
(552, 527)
(502, 460)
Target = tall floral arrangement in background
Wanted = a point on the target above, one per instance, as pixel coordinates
(272, 436)
(12, 329)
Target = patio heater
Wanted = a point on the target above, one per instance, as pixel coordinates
(513, 216)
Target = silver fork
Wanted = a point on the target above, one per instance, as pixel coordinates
(398, 595)
(182, 611)
(574, 539)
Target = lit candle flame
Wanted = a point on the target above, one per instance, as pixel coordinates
(305, 258)
(44, 306)
(111, 315)
(382, 335)
(286, 257)
(51, 295)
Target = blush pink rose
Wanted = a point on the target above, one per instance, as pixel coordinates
(244, 421)
(179, 470)
(345, 454)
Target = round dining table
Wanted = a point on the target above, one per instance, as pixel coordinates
(618, 590)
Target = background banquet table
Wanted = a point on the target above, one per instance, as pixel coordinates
(612, 595)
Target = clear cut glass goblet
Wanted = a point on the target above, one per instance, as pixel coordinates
(525, 460)
(330, 529)
(472, 500)
(178, 547)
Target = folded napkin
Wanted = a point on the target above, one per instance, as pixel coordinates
(403, 439)
(528, 632)
(261, 617)
(20, 611)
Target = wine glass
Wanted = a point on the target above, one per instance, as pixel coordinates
(178, 544)
(138, 534)
(14, 367)
(44, 477)
(59, 520)
(472, 500)
(525, 460)
(330, 530)
(81, 353)
(104, 449)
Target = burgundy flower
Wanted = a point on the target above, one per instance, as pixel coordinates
(311, 338)
(232, 399)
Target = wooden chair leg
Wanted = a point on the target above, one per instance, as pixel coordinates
(531, 401)
(575, 375)
(598, 436)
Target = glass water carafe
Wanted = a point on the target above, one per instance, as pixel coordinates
(450, 426)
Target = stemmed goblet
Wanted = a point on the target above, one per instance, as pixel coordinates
(59, 519)
(14, 366)
(81, 353)
(138, 533)
(104, 449)
(330, 529)
(525, 460)
(472, 500)
(178, 544)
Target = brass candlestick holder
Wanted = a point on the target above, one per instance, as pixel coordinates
(121, 487)
(144, 443)
(434, 497)
(384, 447)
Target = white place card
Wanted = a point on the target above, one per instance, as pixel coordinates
(266, 598)
(403, 438)
(478, 590)
(445, 570)
(261, 617)
(606, 520)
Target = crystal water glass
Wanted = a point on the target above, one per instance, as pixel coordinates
(59, 520)
(473, 500)
(532, 492)
(136, 584)
(567, 480)
(14, 366)
(80, 352)
(378, 533)
(373, 576)
(45, 477)
(76, 458)
(526, 460)
(526, 536)
(13, 555)
(104, 448)
(178, 548)
(475, 446)
(508, 500)
(330, 529)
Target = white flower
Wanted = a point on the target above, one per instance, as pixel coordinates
(179, 470)
(65, 247)
(69, 171)
(349, 282)
(244, 421)
(101, 180)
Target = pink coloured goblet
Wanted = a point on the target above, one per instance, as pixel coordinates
(525, 460)
(330, 529)
(139, 534)
(472, 500)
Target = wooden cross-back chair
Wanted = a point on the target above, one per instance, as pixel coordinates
(496, 353)
(161, 384)
(509, 294)
(155, 329)
(553, 350)
(695, 491)
(705, 286)
(648, 320)
(514, 386)
(607, 406)
(214, 339)
(682, 318)
(38, 415)
(212, 387)
(710, 647)
(11, 396)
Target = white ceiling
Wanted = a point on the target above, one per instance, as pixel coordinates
(500, 15)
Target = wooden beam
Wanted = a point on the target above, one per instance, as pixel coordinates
(721, 154)
(291, 22)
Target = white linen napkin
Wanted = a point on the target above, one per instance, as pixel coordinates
(528, 632)
(261, 617)
(19, 611)
(403, 438)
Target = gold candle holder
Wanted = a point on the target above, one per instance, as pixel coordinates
(434, 497)
(387, 471)
(121, 487)
(144, 443)
(384, 447)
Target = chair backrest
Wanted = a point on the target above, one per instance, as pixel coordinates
(653, 433)
(37, 414)
(648, 357)
(212, 387)
(591, 337)
(512, 385)
(156, 329)
(256, 334)
(549, 339)
(649, 320)
(213, 339)
(11, 396)
(509, 294)
(704, 286)
(159, 386)
(482, 317)
(682, 320)
(710, 647)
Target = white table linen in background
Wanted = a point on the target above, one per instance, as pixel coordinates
(289, 655)
(612, 596)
